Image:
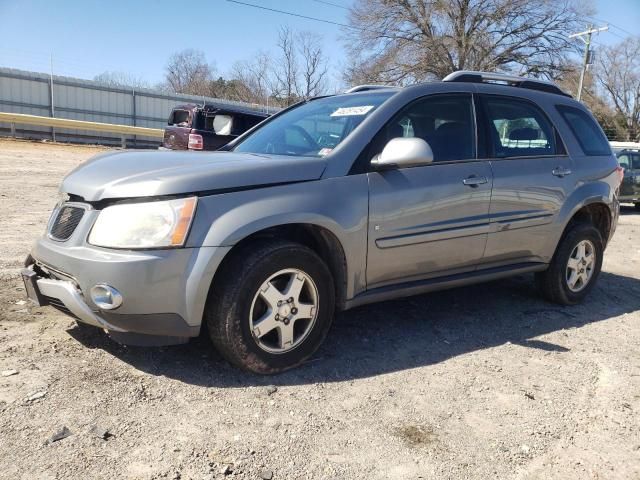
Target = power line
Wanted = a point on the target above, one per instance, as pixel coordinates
(617, 35)
(63, 65)
(275, 10)
(332, 4)
(612, 25)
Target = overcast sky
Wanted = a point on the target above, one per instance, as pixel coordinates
(88, 37)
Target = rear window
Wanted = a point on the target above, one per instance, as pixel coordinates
(587, 132)
(179, 118)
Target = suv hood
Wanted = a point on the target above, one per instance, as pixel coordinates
(154, 173)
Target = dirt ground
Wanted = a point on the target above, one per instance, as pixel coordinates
(482, 382)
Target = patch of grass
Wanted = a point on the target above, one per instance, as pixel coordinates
(416, 435)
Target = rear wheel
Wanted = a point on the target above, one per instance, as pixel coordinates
(575, 266)
(637, 205)
(272, 307)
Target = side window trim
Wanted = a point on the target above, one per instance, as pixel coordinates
(560, 149)
(365, 152)
(481, 119)
(476, 133)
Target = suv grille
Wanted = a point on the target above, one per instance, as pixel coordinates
(66, 222)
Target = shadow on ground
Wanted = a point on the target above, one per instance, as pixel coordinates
(399, 334)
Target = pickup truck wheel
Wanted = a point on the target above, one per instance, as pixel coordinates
(272, 308)
(575, 266)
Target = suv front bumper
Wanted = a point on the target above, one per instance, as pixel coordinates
(63, 295)
(164, 291)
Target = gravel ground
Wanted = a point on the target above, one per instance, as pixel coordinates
(482, 382)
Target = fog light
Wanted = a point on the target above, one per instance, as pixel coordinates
(106, 297)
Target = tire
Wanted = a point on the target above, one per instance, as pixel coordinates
(637, 205)
(554, 283)
(237, 303)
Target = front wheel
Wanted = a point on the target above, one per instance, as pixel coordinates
(271, 307)
(637, 205)
(575, 266)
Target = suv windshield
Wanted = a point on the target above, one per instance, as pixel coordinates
(314, 128)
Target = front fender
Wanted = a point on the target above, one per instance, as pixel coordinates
(339, 205)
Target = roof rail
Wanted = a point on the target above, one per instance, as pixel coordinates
(364, 88)
(491, 77)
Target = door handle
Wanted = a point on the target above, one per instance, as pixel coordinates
(474, 181)
(561, 172)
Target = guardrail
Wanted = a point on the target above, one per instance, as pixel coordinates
(20, 118)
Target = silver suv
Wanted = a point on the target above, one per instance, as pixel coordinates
(335, 202)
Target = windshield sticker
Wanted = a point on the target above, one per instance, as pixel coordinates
(352, 111)
(325, 151)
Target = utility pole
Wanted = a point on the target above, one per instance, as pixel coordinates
(585, 59)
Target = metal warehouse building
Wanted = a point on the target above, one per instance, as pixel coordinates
(72, 98)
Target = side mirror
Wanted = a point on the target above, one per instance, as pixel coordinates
(403, 152)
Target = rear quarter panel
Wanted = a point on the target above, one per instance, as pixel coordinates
(596, 179)
(598, 182)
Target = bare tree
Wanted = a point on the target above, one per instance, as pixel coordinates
(313, 73)
(297, 71)
(403, 41)
(252, 79)
(300, 70)
(285, 68)
(618, 74)
(188, 72)
(121, 79)
(592, 97)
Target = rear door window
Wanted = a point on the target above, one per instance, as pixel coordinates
(586, 130)
(517, 128)
(242, 123)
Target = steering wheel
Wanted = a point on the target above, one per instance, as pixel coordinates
(312, 143)
(269, 148)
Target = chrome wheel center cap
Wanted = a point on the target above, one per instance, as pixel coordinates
(284, 310)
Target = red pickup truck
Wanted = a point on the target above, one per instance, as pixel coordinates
(207, 127)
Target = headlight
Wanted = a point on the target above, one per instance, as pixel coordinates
(144, 225)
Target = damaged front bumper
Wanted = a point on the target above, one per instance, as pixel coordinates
(164, 291)
(62, 295)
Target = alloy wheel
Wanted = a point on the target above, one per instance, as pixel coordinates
(580, 266)
(284, 311)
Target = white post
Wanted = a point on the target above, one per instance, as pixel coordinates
(53, 108)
